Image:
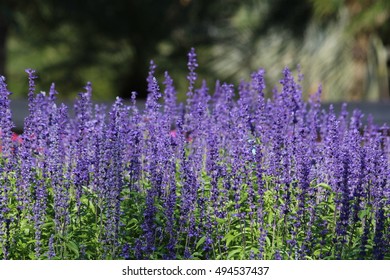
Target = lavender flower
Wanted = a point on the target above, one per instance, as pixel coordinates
(51, 253)
(6, 123)
(83, 110)
(227, 174)
(192, 65)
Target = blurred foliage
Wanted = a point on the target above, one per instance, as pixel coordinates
(107, 41)
(339, 43)
(368, 30)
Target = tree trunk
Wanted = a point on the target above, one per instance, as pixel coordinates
(135, 79)
(3, 44)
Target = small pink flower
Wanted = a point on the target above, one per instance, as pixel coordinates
(16, 138)
(173, 134)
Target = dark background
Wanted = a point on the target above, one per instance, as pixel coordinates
(343, 44)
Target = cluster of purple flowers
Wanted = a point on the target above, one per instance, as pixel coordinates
(227, 175)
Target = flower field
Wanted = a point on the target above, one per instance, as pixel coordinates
(227, 175)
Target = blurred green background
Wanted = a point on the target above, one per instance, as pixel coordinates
(342, 44)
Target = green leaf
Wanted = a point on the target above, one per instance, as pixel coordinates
(234, 252)
(200, 242)
(230, 237)
(332, 207)
(317, 253)
(73, 247)
(363, 213)
(32, 256)
(268, 241)
(324, 186)
(270, 218)
(48, 225)
(92, 208)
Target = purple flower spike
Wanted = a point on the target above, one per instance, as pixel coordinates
(31, 85)
(192, 65)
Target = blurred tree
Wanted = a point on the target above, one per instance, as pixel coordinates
(367, 19)
(123, 35)
(3, 42)
(112, 41)
(120, 36)
(6, 21)
(328, 39)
